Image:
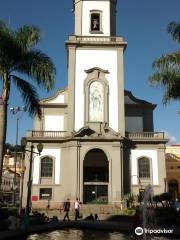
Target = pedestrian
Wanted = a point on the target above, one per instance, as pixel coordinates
(96, 218)
(66, 208)
(77, 208)
(12, 219)
(48, 207)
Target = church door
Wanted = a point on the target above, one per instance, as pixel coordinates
(96, 177)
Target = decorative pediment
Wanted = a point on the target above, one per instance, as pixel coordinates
(85, 131)
(105, 131)
(96, 69)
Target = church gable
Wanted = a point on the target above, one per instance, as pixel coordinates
(60, 97)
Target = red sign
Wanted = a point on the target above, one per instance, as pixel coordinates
(34, 198)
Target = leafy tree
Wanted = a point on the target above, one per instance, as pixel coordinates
(13, 148)
(167, 68)
(18, 59)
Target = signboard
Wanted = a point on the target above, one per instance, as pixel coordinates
(34, 198)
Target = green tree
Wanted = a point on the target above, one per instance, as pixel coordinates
(18, 59)
(167, 68)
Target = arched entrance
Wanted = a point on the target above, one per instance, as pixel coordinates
(95, 177)
(173, 188)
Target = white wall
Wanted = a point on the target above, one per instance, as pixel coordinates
(134, 124)
(152, 154)
(107, 60)
(58, 99)
(56, 154)
(104, 6)
(54, 123)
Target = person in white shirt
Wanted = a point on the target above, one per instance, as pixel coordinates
(77, 208)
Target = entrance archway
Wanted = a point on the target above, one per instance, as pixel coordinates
(96, 177)
(173, 188)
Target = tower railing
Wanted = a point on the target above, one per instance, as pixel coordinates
(105, 39)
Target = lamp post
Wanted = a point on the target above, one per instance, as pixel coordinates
(18, 112)
(31, 151)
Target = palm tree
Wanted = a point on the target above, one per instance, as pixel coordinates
(167, 68)
(19, 58)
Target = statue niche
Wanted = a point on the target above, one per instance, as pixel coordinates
(96, 102)
(96, 93)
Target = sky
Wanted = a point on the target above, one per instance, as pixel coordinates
(141, 23)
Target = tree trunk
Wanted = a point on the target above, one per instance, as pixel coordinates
(3, 119)
(3, 128)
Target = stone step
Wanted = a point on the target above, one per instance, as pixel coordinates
(100, 209)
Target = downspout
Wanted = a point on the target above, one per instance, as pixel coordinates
(79, 190)
(77, 170)
(122, 185)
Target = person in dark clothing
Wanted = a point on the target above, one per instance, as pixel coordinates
(89, 218)
(66, 209)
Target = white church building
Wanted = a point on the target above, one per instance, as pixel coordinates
(99, 140)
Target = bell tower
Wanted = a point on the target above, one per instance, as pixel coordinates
(95, 18)
(95, 67)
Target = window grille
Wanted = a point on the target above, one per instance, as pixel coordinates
(144, 168)
(47, 167)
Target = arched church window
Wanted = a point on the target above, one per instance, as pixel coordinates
(96, 102)
(46, 167)
(96, 21)
(144, 167)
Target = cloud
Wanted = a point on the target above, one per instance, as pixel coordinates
(172, 139)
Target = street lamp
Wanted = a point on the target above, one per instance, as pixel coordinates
(39, 148)
(18, 112)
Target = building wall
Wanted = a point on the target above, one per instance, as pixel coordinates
(54, 123)
(103, 6)
(152, 155)
(53, 152)
(156, 154)
(107, 60)
(71, 176)
(134, 124)
(173, 165)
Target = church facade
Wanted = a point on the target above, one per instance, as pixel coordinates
(99, 140)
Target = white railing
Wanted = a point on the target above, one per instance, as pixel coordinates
(145, 135)
(105, 39)
(48, 134)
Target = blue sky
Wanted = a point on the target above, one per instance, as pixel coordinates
(142, 24)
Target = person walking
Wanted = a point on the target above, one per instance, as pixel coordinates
(77, 208)
(66, 209)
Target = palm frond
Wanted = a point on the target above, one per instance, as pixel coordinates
(167, 60)
(29, 95)
(27, 36)
(10, 52)
(170, 81)
(174, 29)
(39, 67)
